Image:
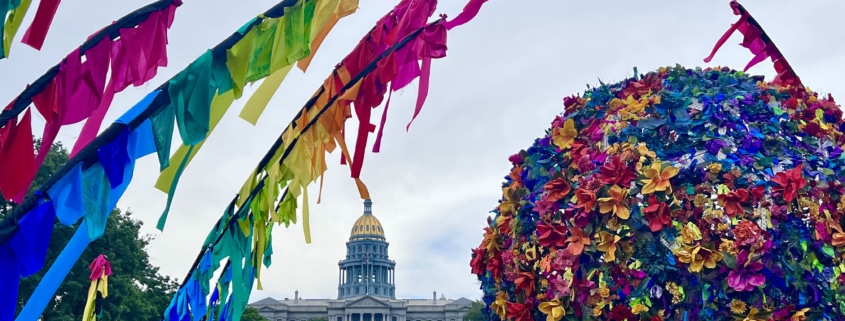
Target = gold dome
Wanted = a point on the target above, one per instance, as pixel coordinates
(367, 224)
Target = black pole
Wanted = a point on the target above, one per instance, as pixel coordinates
(88, 154)
(112, 31)
(363, 73)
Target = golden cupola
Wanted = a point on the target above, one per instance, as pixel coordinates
(367, 225)
(367, 269)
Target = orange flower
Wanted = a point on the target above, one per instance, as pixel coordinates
(615, 203)
(586, 199)
(525, 281)
(657, 179)
(558, 188)
(607, 244)
(838, 236)
(564, 137)
(577, 241)
(732, 202)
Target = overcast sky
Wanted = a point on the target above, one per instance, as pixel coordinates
(499, 87)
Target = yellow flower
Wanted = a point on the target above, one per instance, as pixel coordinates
(728, 246)
(642, 149)
(607, 244)
(639, 308)
(738, 307)
(499, 306)
(615, 203)
(657, 179)
(752, 316)
(604, 292)
(676, 291)
(799, 315)
(615, 103)
(698, 257)
(634, 107)
(564, 137)
(553, 310)
(715, 168)
(690, 233)
(597, 311)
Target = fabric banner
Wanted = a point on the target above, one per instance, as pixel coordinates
(82, 86)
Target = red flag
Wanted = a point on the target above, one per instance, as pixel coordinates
(756, 40)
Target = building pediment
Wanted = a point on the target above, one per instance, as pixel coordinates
(366, 301)
(269, 308)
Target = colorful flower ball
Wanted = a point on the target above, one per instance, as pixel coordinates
(680, 194)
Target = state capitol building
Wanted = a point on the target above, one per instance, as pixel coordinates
(366, 289)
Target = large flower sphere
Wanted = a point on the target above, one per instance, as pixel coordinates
(681, 194)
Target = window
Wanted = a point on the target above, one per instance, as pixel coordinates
(393, 319)
(339, 318)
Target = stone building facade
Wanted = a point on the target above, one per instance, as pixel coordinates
(366, 287)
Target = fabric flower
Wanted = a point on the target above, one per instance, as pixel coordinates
(477, 263)
(544, 206)
(607, 244)
(499, 306)
(799, 315)
(621, 312)
(557, 189)
(789, 182)
(756, 315)
(698, 257)
(553, 310)
(657, 214)
(525, 282)
(746, 276)
(616, 172)
(838, 238)
(551, 235)
(519, 312)
(748, 233)
(561, 285)
(738, 307)
(586, 199)
(615, 203)
(698, 196)
(732, 201)
(577, 241)
(657, 180)
(564, 137)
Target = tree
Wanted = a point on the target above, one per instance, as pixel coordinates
(318, 319)
(251, 314)
(475, 312)
(136, 289)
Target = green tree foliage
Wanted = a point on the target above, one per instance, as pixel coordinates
(251, 314)
(318, 319)
(136, 289)
(474, 313)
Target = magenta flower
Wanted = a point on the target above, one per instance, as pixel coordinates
(746, 276)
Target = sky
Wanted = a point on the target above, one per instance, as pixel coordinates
(499, 87)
